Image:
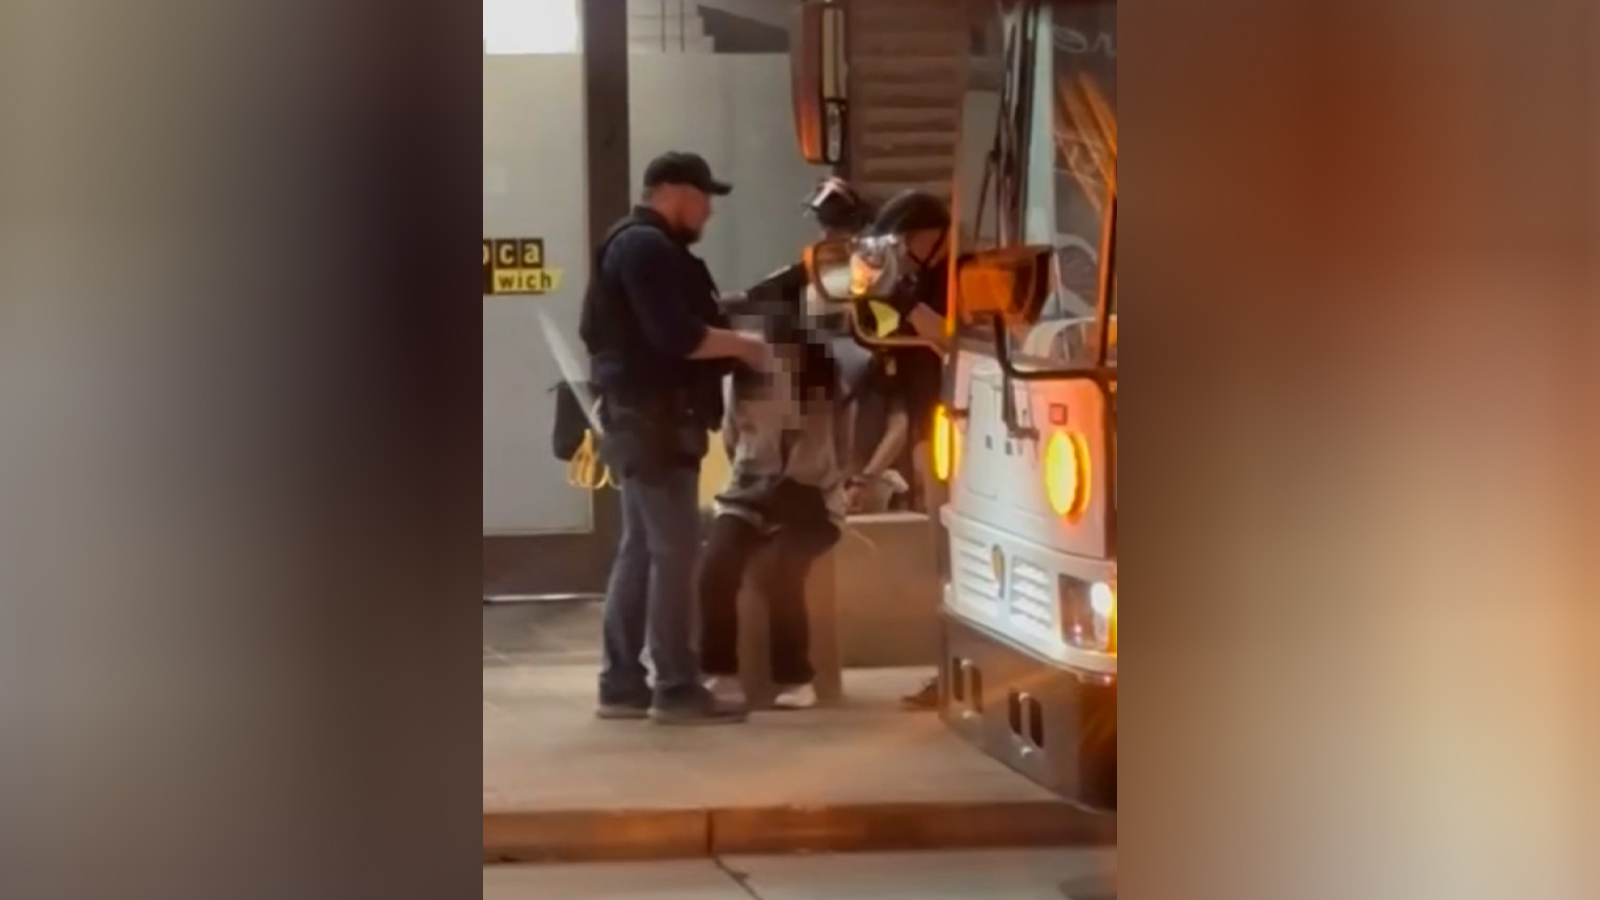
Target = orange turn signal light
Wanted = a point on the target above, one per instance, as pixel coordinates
(1066, 474)
(946, 444)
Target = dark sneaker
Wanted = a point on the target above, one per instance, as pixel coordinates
(699, 709)
(622, 711)
(615, 711)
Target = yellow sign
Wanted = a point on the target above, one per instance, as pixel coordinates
(516, 266)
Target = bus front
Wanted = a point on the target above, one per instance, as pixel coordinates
(1026, 438)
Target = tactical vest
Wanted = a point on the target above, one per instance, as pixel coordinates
(656, 416)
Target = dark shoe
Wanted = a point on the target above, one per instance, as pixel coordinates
(925, 700)
(623, 711)
(699, 708)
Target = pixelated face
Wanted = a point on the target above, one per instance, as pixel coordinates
(786, 357)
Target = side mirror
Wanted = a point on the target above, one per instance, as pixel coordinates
(817, 60)
(1012, 282)
(827, 265)
(839, 285)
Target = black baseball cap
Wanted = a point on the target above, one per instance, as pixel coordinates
(684, 168)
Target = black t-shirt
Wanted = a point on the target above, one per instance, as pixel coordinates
(931, 287)
(918, 375)
(783, 290)
(916, 378)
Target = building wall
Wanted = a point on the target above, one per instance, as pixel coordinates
(732, 108)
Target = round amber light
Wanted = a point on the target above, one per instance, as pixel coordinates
(943, 444)
(1066, 474)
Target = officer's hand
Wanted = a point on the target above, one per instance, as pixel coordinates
(755, 354)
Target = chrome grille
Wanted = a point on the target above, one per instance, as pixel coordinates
(1032, 595)
(972, 571)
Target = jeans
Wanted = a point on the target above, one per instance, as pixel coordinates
(732, 545)
(650, 596)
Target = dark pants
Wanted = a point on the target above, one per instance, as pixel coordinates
(732, 544)
(650, 597)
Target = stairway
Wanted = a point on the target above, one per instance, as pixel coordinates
(666, 26)
(908, 77)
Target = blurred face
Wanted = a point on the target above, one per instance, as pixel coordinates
(686, 209)
(694, 211)
(787, 356)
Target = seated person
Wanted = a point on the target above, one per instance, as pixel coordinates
(785, 497)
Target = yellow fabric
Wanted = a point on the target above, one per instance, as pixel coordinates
(714, 473)
(586, 470)
(887, 319)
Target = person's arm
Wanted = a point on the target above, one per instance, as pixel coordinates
(730, 417)
(927, 323)
(723, 343)
(923, 309)
(844, 436)
(649, 271)
(896, 427)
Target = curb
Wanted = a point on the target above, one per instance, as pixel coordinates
(591, 836)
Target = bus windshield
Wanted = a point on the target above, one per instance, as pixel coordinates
(1069, 168)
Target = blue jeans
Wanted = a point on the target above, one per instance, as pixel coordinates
(650, 596)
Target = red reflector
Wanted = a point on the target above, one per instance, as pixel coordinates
(1058, 414)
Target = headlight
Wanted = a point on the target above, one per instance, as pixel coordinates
(1089, 614)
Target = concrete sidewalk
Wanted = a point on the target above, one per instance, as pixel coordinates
(1076, 874)
(561, 785)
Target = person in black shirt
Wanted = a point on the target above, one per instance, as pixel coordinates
(659, 347)
(913, 379)
(922, 222)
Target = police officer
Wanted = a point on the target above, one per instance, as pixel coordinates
(914, 378)
(659, 348)
(922, 222)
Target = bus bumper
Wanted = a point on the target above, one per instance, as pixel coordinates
(1055, 725)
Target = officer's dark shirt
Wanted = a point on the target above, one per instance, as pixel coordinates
(649, 305)
(917, 374)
